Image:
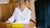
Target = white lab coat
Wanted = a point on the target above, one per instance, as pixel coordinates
(21, 17)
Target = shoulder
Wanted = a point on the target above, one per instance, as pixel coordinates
(28, 10)
(17, 8)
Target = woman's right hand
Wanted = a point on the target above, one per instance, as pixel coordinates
(7, 22)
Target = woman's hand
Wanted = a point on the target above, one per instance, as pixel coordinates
(7, 22)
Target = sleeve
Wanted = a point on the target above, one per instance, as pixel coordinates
(12, 18)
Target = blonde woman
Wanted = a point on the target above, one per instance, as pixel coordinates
(21, 14)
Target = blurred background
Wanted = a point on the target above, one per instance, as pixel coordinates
(42, 8)
(40, 11)
(7, 8)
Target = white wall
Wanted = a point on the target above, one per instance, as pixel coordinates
(4, 0)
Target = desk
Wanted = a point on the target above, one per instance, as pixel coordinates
(3, 25)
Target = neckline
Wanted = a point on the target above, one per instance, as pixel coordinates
(23, 10)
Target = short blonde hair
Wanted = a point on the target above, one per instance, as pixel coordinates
(24, 1)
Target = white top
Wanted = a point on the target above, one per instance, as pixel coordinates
(21, 17)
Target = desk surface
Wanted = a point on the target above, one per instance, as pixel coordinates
(3, 25)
